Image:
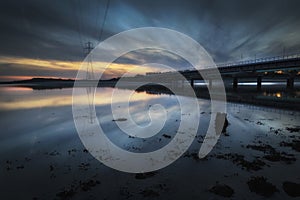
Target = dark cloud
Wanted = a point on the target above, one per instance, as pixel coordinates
(227, 29)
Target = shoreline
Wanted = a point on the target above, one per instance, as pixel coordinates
(268, 96)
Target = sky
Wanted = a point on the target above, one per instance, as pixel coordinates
(46, 38)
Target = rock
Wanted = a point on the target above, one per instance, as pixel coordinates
(84, 166)
(119, 120)
(70, 191)
(293, 129)
(260, 186)
(125, 193)
(295, 145)
(66, 193)
(263, 147)
(54, 153)
(222, 190)
(221, 123)
(273, 155)
(194, 155)
(85, 151)
(166, 136)
(292, 189)
(87, 185)
(20, 167)
(239, 160)
(149, 193)
(259, 123)
(145, 175)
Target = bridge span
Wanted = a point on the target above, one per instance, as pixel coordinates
(280, 67)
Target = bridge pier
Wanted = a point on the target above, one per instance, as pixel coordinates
(210, 83)
(192, 82)
(290, 83)
(181, 83)
(235, 83)
(259, 81)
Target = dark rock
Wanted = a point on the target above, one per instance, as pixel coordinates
(66, 193)
(54, 153)
(166, 136)
(263, 147)
(87, 185)
(259, 123)
(240, 161)
(20, 167)
(222, 190)
(70, 191)
(194, 155)
(275, 157)
(292, 189)
(85, 151)
(295, 145)
(221, 123)
(145, 175)
(293, 129)
(119, 120)
(27, 159)
(260, 186)
(84, 166)
(149, 193)
(125, 193)
(272, 154)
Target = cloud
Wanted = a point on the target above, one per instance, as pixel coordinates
(57, 30)
(14, 67)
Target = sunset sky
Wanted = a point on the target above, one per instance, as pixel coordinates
(45, 38)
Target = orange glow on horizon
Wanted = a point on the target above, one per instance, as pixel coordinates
(109, 70)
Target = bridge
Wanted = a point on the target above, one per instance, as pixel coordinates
(280, 67)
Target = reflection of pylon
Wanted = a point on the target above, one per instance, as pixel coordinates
(89, 72)
(90, 76)
(90, 95)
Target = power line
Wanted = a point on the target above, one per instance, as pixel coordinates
(81, 24)
(104, 20)
(90, 71)
(77, 24)
(88, 46)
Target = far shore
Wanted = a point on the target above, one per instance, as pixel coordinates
(269, 96)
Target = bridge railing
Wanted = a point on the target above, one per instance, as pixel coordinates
(260, 60)
(244, 62)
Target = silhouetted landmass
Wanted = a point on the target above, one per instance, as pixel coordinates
(56, 83)
(38, 80)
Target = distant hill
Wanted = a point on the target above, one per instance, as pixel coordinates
(53, 83)
(48, 80)
(38, 80)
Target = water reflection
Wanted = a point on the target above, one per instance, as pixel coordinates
(15, 89)
(15, 98)
(40, 143)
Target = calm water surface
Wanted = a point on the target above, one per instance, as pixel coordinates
(42, 156)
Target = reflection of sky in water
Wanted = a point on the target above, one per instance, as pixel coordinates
(23, 98)
(38, 124)
(35, 115)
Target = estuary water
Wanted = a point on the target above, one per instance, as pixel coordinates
(42, 156)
